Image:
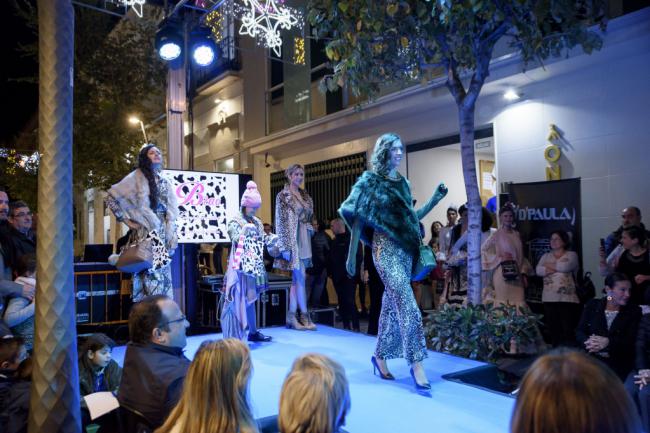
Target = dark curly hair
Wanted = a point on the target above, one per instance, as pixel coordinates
(144, 164)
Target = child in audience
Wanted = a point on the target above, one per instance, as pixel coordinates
(19, 314)
(315, 396)
(97, 371)
(215, 392)
(14, 409)
(12, 353)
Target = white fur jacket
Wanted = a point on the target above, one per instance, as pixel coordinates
(132, 197)
(286, 226)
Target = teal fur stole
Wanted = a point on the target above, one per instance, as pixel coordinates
(383, 204)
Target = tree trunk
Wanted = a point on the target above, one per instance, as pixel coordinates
(466, 122)
(54, 400)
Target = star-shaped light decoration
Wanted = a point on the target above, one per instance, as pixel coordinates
(262, 19)
(136, 5)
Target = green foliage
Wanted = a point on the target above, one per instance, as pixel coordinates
(371, 43)
(117, 74)
(482, 332)
(118, 77)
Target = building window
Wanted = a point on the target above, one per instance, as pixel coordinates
(327, 182)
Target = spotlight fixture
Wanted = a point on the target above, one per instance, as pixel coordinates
(511, 95)
(203, 48)
(266, 160)
(169, 41)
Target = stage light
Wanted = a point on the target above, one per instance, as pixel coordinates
(169, 41)
(204, 49)
(511, 95)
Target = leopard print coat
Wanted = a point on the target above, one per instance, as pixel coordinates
(286, 226)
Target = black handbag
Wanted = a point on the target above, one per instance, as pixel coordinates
(585, 288)
(425, 263)
(510, 270)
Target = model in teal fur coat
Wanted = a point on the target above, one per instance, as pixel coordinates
(385, 204)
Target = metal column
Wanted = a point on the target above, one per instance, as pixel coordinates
(54, 404)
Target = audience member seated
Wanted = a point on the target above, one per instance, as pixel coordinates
(19, 239)
(566, 391)
(19, 314)
(608, 326)
(215, 394)
(630, 217)
(558, 267)
(154, 364)
(14, 411)
(12, 353)
(315, 396)
(638, 380)
(97, 370)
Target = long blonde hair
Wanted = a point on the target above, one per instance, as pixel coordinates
(315, 396)
(215, 392)
(568, 392)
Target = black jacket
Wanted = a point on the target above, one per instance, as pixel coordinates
(16, 244)
(643, 344)
(15, 408)
(112, 377)
(622, 334)
(339, 255)
(320, 248)
(152, 380)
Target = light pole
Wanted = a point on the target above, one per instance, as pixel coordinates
(134, 120)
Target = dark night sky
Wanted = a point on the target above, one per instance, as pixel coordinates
(20, 99)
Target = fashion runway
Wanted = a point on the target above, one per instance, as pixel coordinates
(378, 406)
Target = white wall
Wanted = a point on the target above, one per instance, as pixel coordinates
(427, 168)
(603, 113)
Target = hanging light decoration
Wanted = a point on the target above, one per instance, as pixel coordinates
(263, 19)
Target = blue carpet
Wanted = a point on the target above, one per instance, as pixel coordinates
(377, 406)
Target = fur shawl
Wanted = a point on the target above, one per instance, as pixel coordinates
(286, 226)
(132, 195)
(386, 205)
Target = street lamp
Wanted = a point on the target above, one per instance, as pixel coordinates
(134, 120)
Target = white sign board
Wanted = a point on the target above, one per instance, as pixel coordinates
(206, 201)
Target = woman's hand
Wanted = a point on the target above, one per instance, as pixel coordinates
(28, 291)
(351, 267)
(642, 378)
(286, 255)
(442, 189)
(596, 343)
(640, 279)
(132, 224)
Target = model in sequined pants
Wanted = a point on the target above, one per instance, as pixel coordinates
(400, 323)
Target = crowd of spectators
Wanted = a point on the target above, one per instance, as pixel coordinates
(17, 269)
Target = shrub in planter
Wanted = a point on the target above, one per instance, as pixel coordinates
(482, 332)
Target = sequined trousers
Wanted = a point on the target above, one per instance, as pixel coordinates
(400, 322)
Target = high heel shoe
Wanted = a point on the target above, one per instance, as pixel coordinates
(293, 322)
(418, 386)
(375, 368)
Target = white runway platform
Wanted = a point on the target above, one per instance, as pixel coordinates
(378, 406)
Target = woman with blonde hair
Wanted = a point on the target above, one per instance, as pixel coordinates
(315, 396)
(294, 210)
(569, 392)
(215, 392)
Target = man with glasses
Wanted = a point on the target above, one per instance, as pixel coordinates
(154, 363)
(19, 239)
(630, 217)
(7, 286)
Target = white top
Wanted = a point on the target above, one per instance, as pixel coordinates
(559, 286)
